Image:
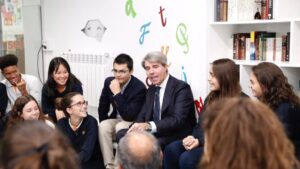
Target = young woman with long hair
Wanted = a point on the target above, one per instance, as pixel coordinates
(270, 86)
(224, 82)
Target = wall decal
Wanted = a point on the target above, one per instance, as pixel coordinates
(129, 9)
(144, 32)
(163, 20)
(95, 29)
(182, 37)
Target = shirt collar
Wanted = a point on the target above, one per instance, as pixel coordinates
(164, 83)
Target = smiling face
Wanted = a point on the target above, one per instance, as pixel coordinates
(213, 81)
(31, 111)
(12, 74)
(156, 72)
(78, 107)
(61, 75)
(255, 86)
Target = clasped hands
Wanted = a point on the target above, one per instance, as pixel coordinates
(190, 142)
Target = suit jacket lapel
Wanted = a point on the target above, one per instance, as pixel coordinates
(167, 95)
(150, 103)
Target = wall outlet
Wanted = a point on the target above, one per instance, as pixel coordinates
(48, 45)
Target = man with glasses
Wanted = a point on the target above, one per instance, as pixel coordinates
(18, 84)
(125, 94)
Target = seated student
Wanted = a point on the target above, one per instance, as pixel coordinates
(35, 145)
(3, 105)
(18, 84)
(168, 111)
(27, 108)
(60, 82)
(270, 86)
(82, 130)
(125, 94)
(224, 82)
(241, 133)
(139, 150)
(3, 100)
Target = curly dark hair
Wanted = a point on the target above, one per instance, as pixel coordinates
(274, 85)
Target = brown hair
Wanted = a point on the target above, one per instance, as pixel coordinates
(274, 85)
(66, 102)
(245, 134)
(35, 145)
(227, 74)
(17, 110)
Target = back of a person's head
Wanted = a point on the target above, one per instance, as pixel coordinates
(245, 134)
(139, 150)
(35, 145)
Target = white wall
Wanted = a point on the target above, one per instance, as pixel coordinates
(63, 20)
(32, 37)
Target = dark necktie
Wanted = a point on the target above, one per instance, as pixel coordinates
(156, 114)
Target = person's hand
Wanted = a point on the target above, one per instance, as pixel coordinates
(59, 114)
(115, 86)
(190, 142)
(22, 87)
(139, 127)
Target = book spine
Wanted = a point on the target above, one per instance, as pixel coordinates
(283, 54)
(252, 45)
(270, 10)
(287, 58)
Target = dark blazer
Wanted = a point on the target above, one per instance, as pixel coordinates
(3, 99)
(289, 115)
(177, 112)
(127, 104)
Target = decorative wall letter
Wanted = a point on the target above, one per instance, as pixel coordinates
(163, 21)
(129, 9)
(144, 32)
(182, 37)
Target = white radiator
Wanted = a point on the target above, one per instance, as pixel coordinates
(91, 70)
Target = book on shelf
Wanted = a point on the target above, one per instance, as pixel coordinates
(284, 46)
(260, 45)
(239, 45)
(287, 56)
(242, 10)
(270, 9)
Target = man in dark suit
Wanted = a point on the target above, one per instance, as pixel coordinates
(3, 99)
(126, 94)
(168, 111)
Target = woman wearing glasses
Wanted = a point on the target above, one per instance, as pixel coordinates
(81, 129)
(60, 82)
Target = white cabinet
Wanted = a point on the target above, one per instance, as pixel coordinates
(286, 19)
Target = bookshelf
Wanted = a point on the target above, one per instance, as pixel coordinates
(286, 19)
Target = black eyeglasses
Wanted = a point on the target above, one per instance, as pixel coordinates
(80, 104)
(121, 72)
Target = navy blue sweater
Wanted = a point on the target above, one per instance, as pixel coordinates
(85, 141)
